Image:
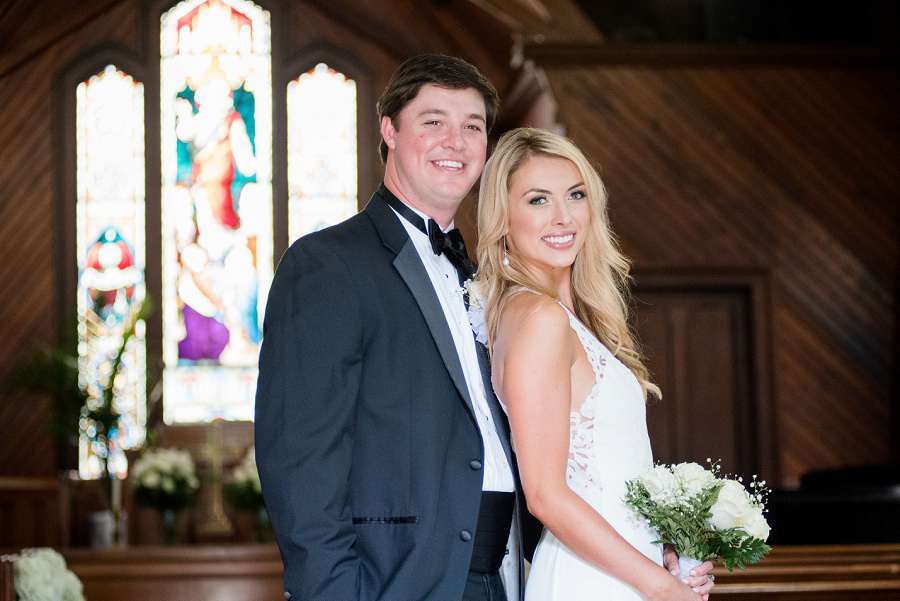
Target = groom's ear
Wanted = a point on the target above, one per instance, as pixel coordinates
(388, 131)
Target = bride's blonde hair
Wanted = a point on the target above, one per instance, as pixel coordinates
(600, 274)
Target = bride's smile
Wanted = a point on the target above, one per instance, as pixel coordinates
(549, 214)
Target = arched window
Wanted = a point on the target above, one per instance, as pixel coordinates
(111, 256)
(322, 169)
(202, 245)
(216, 161)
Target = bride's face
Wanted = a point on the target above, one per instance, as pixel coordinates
(549, 213)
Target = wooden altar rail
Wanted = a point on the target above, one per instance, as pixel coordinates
(253, 573)
(181, 573)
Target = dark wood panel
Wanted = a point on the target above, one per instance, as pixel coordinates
(698, 334)
(31, 513)
(789, 169)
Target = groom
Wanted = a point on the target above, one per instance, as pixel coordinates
(384, 456)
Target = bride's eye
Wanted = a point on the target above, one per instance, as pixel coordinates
(538, 200)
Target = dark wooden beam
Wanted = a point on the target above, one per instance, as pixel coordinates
(682, 55)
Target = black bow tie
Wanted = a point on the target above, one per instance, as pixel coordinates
(450, 244)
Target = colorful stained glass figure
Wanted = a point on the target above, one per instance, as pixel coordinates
(110, 239)
(322, 158)
(217, 263)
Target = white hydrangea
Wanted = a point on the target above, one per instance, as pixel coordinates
(41, 575)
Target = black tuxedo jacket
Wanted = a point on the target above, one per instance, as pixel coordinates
(367, 446)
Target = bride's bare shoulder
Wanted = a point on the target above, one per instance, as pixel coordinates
(527, 314)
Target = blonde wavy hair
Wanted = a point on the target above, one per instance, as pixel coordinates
(600, 275)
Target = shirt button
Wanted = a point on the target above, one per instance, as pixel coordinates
(475, 464)
(465, 536)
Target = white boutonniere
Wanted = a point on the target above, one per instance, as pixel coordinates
(472, 294)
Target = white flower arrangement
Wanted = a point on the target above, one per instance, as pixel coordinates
(244, 490)
(165, 479)
(704, 516)
(472, 293)
(41, 575)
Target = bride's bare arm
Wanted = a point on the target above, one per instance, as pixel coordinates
(533, 357)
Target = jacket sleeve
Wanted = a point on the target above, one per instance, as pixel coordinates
(309, 371)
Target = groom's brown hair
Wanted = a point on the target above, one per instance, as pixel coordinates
(440, 70)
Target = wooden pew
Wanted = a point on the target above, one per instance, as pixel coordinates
(33, 512)
(817, 573)
(254, 572)
(7, 585)
(195, 572)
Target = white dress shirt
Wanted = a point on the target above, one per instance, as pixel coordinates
(445, 279)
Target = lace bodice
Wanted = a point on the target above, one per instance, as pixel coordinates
(607, 434)
(608, 445)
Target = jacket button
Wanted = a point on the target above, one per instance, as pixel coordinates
(475, 464)
(287, 595)
(465, 535)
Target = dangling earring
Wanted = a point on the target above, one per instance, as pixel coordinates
(506, 252)
(506, 260)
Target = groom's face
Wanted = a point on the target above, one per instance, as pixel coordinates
(436, 147)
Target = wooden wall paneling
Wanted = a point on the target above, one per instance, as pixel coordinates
(767, 163)
(28, 306)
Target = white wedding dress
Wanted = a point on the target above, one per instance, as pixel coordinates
(608, 445)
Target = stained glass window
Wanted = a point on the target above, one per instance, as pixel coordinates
(321, 111)
(110, 242)
(217, 264)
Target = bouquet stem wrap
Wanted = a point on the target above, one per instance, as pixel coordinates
(685, 565)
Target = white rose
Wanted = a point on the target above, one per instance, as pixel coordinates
(732, 505)
(755, 525)
(659, 483)
(693, 477)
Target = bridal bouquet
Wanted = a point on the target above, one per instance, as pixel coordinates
(165, 479)
(704, 516)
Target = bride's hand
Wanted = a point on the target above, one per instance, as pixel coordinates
(700, 580)
(669, 589)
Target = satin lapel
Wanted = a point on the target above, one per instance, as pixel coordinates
(410, 267)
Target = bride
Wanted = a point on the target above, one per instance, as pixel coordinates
(569, 373)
